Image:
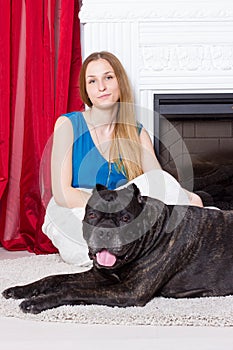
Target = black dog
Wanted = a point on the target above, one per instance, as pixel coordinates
(141, 248)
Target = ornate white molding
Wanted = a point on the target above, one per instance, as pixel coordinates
(166, 46)
(108, 10)
(187, 58)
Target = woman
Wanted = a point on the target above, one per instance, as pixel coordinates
(103, 144)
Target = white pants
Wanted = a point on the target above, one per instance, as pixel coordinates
(64, 226)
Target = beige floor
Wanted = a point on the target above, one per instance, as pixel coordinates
(25, 335)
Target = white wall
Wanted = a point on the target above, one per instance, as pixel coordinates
(166, 46)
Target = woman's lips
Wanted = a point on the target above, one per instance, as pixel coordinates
(104, 96)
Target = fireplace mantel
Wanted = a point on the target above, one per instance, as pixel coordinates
(166, 46)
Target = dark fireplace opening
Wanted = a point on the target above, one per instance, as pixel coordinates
(196, 130)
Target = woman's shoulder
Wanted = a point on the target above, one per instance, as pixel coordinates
(73, 115)
(76, 118)
(77, 122)
(71, 120)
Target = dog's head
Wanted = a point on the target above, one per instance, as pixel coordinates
(113, 224)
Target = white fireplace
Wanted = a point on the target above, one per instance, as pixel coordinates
(166, 46)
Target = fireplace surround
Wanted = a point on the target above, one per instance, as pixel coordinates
(204, 122)
(182, 48)
(166, 46)
(197, 130)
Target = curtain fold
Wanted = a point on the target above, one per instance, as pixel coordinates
(4, 94)
(40, 58)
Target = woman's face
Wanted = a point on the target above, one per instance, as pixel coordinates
(101, 84)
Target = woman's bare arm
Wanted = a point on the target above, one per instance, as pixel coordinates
(61, 167)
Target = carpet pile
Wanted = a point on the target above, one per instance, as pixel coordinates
(217, 311)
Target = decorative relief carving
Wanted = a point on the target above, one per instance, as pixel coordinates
(187, 58)
(188, 39)
(114, 11)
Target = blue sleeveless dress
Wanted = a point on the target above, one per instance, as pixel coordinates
(89, 166)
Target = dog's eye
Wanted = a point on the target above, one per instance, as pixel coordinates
(125, 218)
(92, 215)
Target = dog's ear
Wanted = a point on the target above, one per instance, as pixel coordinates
(133, 187)
(100, 187)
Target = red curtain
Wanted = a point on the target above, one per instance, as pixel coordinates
(40, 59)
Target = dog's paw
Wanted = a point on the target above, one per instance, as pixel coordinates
(13, 292)
(31, 306)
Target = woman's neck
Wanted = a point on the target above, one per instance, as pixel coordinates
(101, 124)
(102, 117)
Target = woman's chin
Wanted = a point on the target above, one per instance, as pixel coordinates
(105, 105)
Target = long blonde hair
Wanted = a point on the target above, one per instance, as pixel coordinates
(125, 148)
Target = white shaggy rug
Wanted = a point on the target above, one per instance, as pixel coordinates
(159, 312)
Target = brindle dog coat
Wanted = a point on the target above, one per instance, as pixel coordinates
(141, 248)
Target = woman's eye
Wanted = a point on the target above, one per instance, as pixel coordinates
(91, 81)
(109, 77)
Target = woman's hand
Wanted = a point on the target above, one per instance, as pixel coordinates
(194, 199)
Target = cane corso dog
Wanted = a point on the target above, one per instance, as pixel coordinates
(141, 248)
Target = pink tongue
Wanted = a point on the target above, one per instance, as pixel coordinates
(105, 258)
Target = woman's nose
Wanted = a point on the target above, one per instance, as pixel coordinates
(101, 85)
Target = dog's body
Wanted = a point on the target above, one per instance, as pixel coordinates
(141, 248)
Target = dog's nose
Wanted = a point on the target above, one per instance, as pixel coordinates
(104, 234)
(105, 238)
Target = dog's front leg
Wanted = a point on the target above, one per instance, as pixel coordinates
(43, 286)
(114, 295)
(41, 303)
